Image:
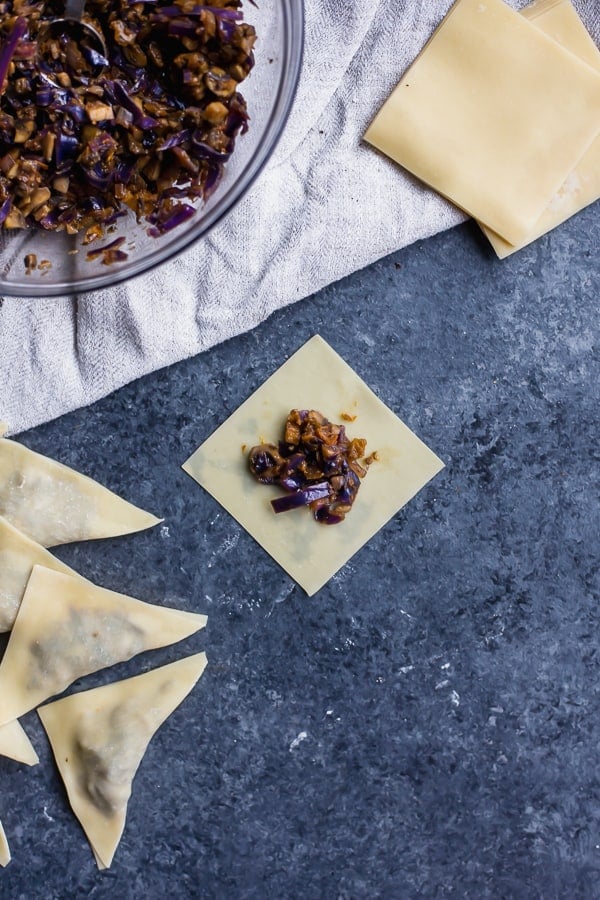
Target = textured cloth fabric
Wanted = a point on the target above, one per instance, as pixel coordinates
(325, 206)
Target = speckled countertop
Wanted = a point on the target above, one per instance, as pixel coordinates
(428, 724)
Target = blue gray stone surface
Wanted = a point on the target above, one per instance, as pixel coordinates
(426, 726)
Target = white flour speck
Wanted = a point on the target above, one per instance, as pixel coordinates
(47, 815)
(570, 188)
(455, 698)
(298, 740)
(230, 542)
(442, 684)
(164, 531)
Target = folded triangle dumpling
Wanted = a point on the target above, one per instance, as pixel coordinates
(4, 848)
(15, 744)
(54, 504)
(18, 555)
(100, 736)
(67, 628)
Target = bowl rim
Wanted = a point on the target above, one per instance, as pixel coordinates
(293, 53)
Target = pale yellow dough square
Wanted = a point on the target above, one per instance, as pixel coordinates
(559, 20)
(315, 377)
(493, 114)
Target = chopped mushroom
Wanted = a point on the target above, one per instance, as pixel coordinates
(316, 463)
(149, 128)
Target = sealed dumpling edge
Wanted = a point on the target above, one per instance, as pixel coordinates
(53, 504)
(4, 848)
(15, 744)
(18, 555)
(99, 738)
(67, 628)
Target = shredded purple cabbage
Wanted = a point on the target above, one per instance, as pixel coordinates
(301, 497)
(315, 463)
(8, 50)
(5, 209)
(174, 140)
(152, 132)
(179, 214)
(98, 251)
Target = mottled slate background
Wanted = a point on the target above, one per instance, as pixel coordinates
(428, 724)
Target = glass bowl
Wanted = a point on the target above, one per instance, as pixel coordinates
(269, 91)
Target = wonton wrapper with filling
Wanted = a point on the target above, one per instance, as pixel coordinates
(493, 114)
(4, 848)
(53, 504)
(18, 555)
(559, 19)
(99, 738)
(67, 628)
(315, 377)
(15, 744)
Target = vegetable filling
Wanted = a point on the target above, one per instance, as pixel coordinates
(149, 127)
(316, 463)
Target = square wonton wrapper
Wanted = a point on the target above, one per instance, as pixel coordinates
(559, 20)
(315, 377)
(493, 114)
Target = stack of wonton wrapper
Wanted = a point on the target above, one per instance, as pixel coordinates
(500, 113)
(63, 627)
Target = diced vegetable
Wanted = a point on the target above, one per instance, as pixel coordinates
(316, 463)
(147, 128)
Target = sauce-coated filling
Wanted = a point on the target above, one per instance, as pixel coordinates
(316, 463)
(149, 127)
